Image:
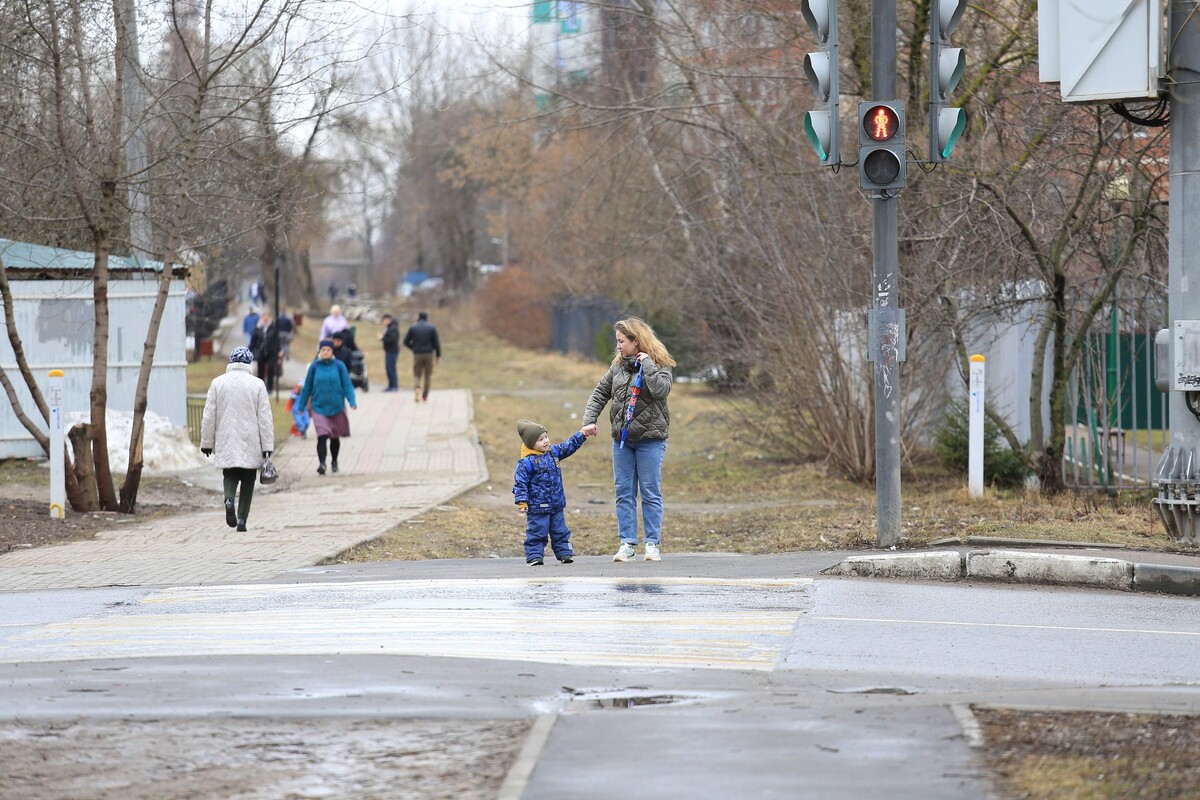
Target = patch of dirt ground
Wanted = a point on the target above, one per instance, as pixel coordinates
(25, 513)
(253, 759)
(1088, 755)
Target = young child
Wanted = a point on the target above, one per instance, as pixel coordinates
(300, 416)
(538, 492)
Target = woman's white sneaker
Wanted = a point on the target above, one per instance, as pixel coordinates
(624, 552)
(651, 552)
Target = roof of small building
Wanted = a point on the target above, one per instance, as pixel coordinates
(26, 261)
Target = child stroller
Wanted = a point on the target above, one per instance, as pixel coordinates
(358, 371)
(358, 362)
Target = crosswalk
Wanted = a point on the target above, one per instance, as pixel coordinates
(619, 622)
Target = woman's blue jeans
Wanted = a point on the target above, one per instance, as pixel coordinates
(637, 470)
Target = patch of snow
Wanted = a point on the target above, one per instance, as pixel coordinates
(165, 448)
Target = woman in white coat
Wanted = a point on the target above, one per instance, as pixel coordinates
(238, 427)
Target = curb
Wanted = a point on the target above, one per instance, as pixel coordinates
(1012, 566)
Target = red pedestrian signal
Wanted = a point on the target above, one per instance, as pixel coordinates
(880, 123)
(881, 150)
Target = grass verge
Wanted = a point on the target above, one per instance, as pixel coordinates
(721, 493)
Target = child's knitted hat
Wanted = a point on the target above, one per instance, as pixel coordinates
(530, 432)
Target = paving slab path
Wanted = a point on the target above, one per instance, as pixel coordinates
(401, 459)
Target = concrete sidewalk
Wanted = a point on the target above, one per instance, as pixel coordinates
(401, 459)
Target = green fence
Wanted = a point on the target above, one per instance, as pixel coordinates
(1118, 375)
(195, 414)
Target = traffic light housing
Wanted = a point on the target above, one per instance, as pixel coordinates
(881, 157)
(946, 65)
(821, 69)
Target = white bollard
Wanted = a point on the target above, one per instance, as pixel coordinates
(975, 429)
(58, 482)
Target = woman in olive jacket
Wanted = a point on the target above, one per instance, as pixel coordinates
(640, 436)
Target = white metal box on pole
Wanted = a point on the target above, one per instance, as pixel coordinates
(1102, 51)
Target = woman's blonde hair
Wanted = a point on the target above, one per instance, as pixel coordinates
(639, 331)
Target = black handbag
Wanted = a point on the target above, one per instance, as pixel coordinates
(268, 474)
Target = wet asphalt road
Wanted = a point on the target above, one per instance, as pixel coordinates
(747, 676)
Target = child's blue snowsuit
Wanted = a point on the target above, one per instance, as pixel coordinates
(300, 415)
(537, 482)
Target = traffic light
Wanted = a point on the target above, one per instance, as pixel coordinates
(946, 65)
(881, 160)
(821, 125)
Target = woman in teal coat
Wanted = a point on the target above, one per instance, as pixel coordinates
(326, 391)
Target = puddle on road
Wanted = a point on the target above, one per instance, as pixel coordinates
(582, 701)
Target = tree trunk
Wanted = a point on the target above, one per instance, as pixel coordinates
(81, 440)
(99, 393)
(1050, 467)
(133, 475)
(76, 495)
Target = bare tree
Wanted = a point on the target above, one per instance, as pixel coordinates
(66, 136)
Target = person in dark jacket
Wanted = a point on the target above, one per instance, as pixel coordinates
(538, 492)
(287, 331)
(343, 347)
(637, 384)
(391, 350)
(326, 391)
(264, 344)
(422, 339)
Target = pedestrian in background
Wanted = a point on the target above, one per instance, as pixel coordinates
(391, 350)
(422, 339)
(538, 492)
(238, 428)
(287, 331)
(249, 323)
(327, 390)
(637, 384)
(264, 344)
(343, 347)
(334, 322)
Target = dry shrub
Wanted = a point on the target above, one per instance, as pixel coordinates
(515, 307)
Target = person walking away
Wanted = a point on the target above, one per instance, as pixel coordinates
(238, 428)
(637, 384)
(287, 331)
(422, 339)
(264, 344)
(333, 291)
(249, 323)
(334, 322)
(538, 492)
(391, 350)
(327, 390)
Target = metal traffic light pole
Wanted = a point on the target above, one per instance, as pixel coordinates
(887, 321)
